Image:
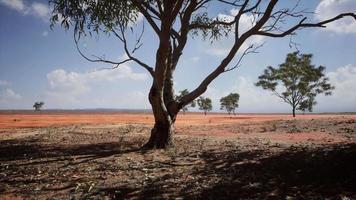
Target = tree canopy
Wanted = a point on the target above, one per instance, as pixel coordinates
(230, 102)
(205, 104)
(301, 81)
(38, 105)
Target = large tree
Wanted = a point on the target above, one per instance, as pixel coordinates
(300, 81)
(230, 103)
(173, 22)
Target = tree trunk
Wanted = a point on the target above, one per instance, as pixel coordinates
(161, 136)
(293, 111)
(165, 115)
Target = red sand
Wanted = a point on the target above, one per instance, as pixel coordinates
(45, 119)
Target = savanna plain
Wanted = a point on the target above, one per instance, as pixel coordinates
(97, 155)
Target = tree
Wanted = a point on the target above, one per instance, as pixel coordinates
(230, 102)
(205, 104)
(173, 22)
(300, 80)
(182, 93)
(38, 105)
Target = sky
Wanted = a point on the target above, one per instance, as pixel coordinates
(42, 64)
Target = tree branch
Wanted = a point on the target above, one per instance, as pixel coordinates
(301, 24)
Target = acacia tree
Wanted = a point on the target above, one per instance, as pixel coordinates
(230, 103)
(182, 93)
(173, 22)
(38, 105)
(205, 104)
(300, 80)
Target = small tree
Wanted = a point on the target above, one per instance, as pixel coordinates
(301, 80)
(38, 105)
(205, 104)
(182, 93)
(230, 102)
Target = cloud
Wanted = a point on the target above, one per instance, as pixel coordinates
(17, 5)
(40, 10)
(36, 9)
(4, 83)
(70, 87)
(344, 96)
(8, 95)
(223, 47)
(327, 9)
(130, 100)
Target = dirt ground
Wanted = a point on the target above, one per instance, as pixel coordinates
(98, 156)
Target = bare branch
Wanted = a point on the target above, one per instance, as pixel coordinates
(301, 24)
(98, 59)
(248, 50)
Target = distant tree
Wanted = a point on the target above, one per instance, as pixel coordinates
(172, 24)
(38, 105)
(205, 104)
(230, 103)
(300, 80)
(181, 95)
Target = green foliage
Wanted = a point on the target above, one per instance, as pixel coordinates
(301, 81)
(208, 27)
(93, 15)
(182, 93)
(204, 104)
(38, 105)
(230, 102)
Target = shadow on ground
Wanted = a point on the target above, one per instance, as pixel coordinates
(214, 173)
(296, 173)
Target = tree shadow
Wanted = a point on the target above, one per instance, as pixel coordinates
(29, 161)
(297, 173)
(31, 149)
(219, 172)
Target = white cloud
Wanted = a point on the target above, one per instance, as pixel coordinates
(8, 95)
(17, 5)
(37, 9)
(223, 47)
(327, 9)
(4, 83)
(344, 95)
(130, 100)
(41, 10)
(69, 87)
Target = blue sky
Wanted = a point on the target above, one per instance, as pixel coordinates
(39, 64)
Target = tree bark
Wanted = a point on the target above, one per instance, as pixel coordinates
(293, 111)
(162, 131)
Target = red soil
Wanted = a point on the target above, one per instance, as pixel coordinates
(51, 119)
